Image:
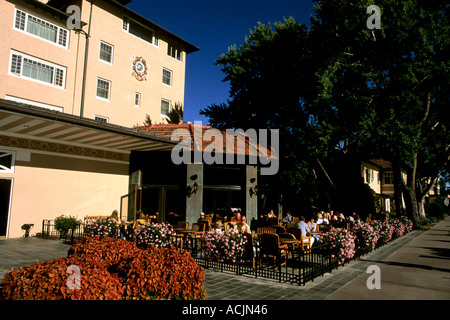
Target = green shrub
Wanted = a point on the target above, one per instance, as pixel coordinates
(63, 224)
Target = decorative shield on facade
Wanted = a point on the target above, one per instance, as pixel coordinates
(139, 68)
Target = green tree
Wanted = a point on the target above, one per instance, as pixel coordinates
(392, 83)
(269, 76)
(175, 115)
(341, 87)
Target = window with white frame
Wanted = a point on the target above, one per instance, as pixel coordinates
(388, 178)
(23, 65)
(167, 77)
(101, 119)
(106, 52)
(367, 175)
(7, 159)
(137, 99)
(41, 28)
(165, 107)
(103, 89)
(140, 31)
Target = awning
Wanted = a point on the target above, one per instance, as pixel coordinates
(25, 121)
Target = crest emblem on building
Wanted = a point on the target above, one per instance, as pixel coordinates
(139, 68)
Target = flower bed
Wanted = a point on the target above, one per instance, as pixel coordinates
(110, 269)
(384, 230)
(104, 227)
(342, 243)
(157, 235)
(225, 247)
(366, 236)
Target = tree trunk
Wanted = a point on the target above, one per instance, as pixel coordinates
(412, 206)
(421, 204)
(398, 199)
(412, 201)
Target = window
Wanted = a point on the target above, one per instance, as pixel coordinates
(137, 99)
(26, 66)
(125, 24)
(367, 174)
(388, 178)
(101, 119)
(165, 107)
(174, 52)
(106, 52)
(103, 89)
(167, 77)
(41, 28)
(139, 31)
(7, 160)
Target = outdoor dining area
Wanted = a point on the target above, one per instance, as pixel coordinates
(292, 249)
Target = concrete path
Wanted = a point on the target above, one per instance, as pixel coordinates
(418, 270)
(416, 266)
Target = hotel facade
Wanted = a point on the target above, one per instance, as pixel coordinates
(132, 68)
(70, 95)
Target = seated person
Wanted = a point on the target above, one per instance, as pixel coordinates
(288, 218)
(242, 225)
(140, 221)
(271, 214)
(202, 218)
(306, 231)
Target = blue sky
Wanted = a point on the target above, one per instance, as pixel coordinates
(213, 26)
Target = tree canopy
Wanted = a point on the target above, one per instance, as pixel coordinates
(341, 86)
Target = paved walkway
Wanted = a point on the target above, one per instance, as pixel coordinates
(416, 266)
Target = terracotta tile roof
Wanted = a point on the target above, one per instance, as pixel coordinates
(384, 164)
(193, 131)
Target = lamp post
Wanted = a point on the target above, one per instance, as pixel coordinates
(83, 85)
(86, 50)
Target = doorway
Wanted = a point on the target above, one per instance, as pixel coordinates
(166, 200)
(5, 205)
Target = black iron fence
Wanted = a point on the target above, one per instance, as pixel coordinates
(297, 266)
(49, 231)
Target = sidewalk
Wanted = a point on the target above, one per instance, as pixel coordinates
(416, 266)
(419, 270)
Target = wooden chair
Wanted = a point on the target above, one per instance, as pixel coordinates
(286, 235)
(265, 230)
(178, 239)
(204, 226)
(198, 226)
(305, 242)
(182, 225)
(248, 254)
(270, 247)
(91, 218)
(278, 229)
(273, 222)
(228, 225)
(324, 228)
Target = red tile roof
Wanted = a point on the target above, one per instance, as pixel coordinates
(193, 131)
(384, 164)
